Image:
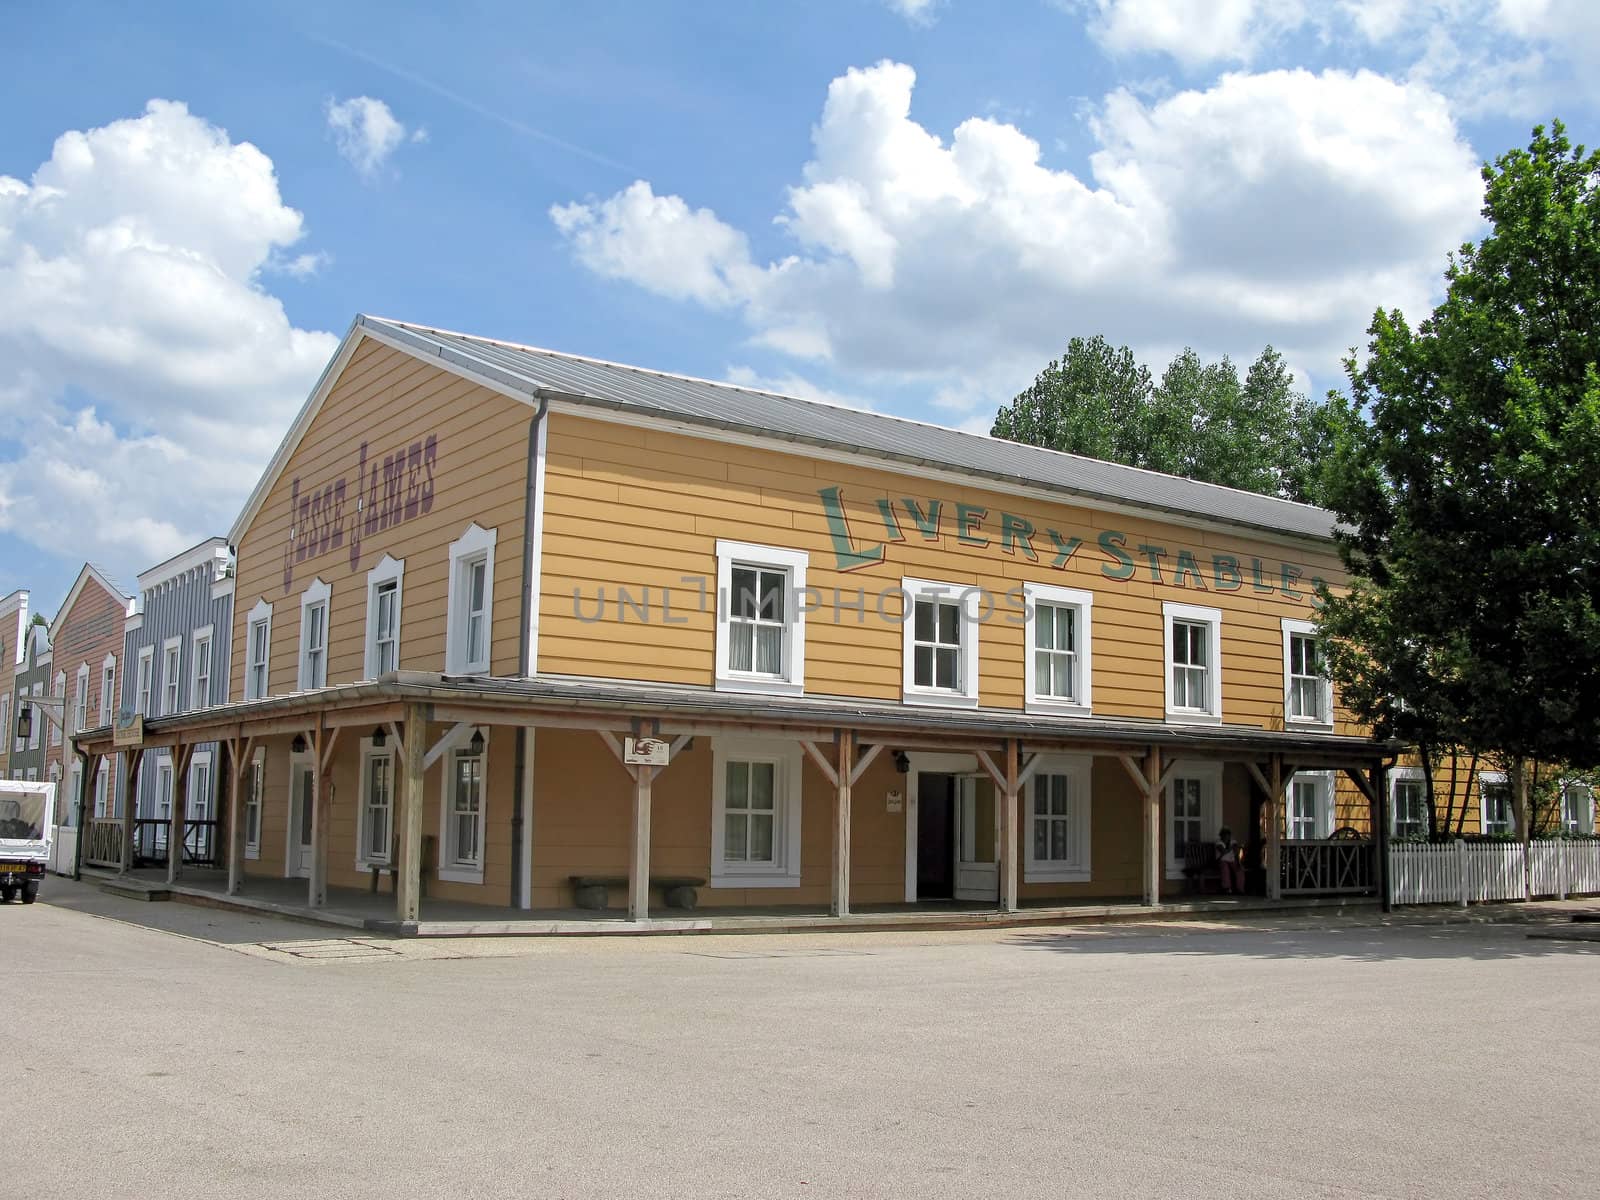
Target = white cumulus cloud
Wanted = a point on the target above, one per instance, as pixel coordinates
(367, 133)
(144, 371)
(1277, 207)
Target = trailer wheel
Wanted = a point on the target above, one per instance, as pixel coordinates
(30, 892)
(7, 895)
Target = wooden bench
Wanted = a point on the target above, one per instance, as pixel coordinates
(393, 866)
(594, 891)
(1201, 866)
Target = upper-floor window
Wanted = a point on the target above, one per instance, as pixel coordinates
(59, 692)
(1498, 815)
(80, 700)
(314, 636)
(145, 681)
(940, 643)
(108, 690)
(1193, 637)
(1057, 669)
(384, 584)
(36, 738)
(470, 615)
(171, 665)
(258, 650)
(200, 685)
(760, 628)
(1307, 697)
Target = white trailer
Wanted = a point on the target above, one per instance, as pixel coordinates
(27, 823)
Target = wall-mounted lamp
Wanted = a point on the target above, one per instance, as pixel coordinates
(24, 722)
(379, 738)
(476, 744)
(902, 761)
(299, 743)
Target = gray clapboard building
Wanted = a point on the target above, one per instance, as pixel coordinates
(176, 654)
(33, 680)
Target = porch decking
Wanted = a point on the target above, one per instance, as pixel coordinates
(358, 909)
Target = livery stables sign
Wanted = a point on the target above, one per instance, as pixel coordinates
(975, 527)
(388, 492)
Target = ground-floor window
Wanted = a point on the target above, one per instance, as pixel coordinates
(1408, 805)
(1497, 811)
(755, 829)
(1577, 808)
(377, 806)
(1194, 809)
(254, 784)
(463, 813)
(1309, 814)
(1057, 832)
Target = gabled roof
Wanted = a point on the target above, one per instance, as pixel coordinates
(89, 573)
(532, 374)
(206, 552)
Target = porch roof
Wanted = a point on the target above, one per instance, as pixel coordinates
(587, 703)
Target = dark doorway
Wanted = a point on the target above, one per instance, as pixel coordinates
(936, 831)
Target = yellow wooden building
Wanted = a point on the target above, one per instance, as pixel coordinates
(861, 661)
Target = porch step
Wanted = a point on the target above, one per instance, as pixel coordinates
(135, 891)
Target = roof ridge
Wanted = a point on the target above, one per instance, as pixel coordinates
(870, 412)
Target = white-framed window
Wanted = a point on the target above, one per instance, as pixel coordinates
(375, 835)
(1058, 666)
(258, 651)
(314, 603)
(102, 792)
(171, 674)
(1194, 810)
(40, 720)
(162, 810)
(462, 813)
(1307, 692)
(1308, 812)
(1193, 641)
(940, 643)
(469, 622)
(200, 667)
(385, 589)
(1058, 801)
(1408, 802)
(67, 806)
(255, 783)
(199, 798)
(755, 822)
(108, 690)
(761, 630)
(59, 692)
(145, 681)
(6, 728)
(80, 700)
(1494, 791)
(1577, 808)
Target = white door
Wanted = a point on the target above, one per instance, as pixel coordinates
(300, 819)
(977, 839)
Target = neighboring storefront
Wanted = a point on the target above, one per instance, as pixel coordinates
(861, 660)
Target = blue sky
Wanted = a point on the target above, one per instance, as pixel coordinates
(906, 205)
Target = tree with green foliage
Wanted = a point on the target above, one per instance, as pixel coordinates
(1199, 421)
(1471, 488)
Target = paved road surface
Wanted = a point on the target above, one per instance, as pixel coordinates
(160, 1050)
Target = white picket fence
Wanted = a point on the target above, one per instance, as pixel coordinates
(1461, 872)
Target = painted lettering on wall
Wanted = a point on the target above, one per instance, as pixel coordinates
(388, 491)
(976, 527)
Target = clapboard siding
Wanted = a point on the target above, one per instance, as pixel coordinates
(630, 512)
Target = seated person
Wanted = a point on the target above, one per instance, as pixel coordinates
(1230, 860)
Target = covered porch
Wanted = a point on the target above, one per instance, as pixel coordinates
(590, 778)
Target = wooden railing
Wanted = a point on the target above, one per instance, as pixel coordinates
(1328, 867)
(201, 844)
(103, 844)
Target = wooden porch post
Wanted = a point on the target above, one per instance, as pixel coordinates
(317, 888)
(179, 816)
(132, 760)
(1380, 792)
(840, 905)
(1152, 826)
(408, 893)
(236, 830)
(1008, 830)
(1274, 862)
(639, 846)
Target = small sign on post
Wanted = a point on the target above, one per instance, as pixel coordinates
(645, 752)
